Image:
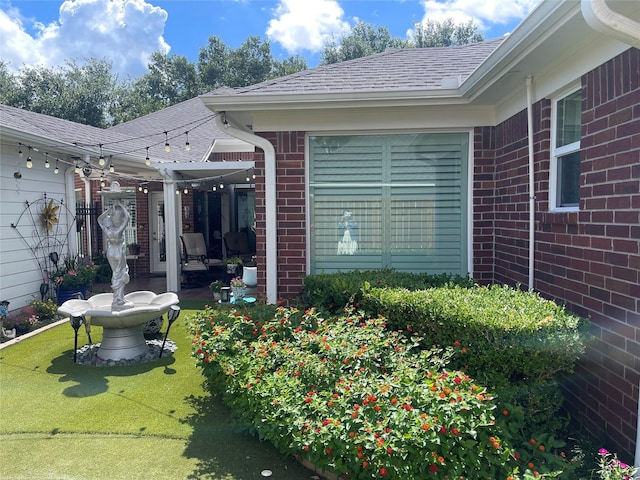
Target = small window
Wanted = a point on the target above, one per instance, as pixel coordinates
(565, 161)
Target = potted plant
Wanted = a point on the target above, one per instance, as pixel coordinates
(237, 287)
(73, 277)
(233, 264)
(216, 288)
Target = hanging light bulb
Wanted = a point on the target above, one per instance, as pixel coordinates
(112, 169)
(77, 169)
(147, 160)
(145, 190)
(186, 190)
(56, 170)
(101, 159)
(29, 161)
(46, 160)
(177, 191)
(248, 179)
(253, 175)
(102, 182)
(139, 188)
(221, 185)
(167, 147)
(20, 154)
(187, 145)
(214, 188)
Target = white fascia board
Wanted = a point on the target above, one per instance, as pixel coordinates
(306, 101)
(389, 119)
(224, 145)
(211, 166)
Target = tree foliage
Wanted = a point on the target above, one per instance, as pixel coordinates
(364, 39)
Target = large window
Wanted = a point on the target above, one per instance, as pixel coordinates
(389, 201)
(565, 161)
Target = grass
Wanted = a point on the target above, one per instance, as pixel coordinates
(59, 420)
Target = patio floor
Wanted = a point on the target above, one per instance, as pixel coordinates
(158, 284)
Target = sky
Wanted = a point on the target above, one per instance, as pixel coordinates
(126, 32)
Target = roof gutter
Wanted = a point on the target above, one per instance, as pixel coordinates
(271, 247)
(604, 20)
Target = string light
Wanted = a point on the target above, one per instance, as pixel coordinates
(221, 185)
(167, 147)
(248, 179)
(145, 190)
(46, 160)
(56, 170)
(139, 188)
(77, 169)
(102, 182)
(147, 160)
(214, 188)
(186, 190)
(29, 161)
(112, 168)
(20, 154)
(177, 191)
(101, 159)
(187, 145)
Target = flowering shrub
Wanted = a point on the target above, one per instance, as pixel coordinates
(237, 282)
(349, 396)
(74, 273)
(613, 469)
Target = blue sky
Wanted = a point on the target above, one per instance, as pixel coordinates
(126, 32)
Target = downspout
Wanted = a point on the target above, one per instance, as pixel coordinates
(271, 246)
(170, 224)
(532, 195)
(604, 20)
(87, 203)
(70, 193)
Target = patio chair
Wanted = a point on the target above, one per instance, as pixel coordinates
(195, 261)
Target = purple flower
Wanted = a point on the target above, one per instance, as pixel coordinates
(603, 451)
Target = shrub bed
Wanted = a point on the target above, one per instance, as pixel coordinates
(334, 291)
(514, 342)
(350, 396)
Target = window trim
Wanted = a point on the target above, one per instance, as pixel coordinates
(557, 152)
(468, 176)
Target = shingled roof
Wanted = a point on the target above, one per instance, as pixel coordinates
(394, 69)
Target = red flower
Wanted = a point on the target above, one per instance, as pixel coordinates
(433, 468)
(328, 450)
(383, 471)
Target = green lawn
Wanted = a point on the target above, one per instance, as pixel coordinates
(59, 420)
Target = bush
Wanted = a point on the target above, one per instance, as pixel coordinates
(514, 342)
(348, 395)
(334, 291)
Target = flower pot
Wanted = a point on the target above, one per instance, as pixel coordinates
(238, 292)
(65, 294)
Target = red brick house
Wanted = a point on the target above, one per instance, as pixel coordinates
(515, 160)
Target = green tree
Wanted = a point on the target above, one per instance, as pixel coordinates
(288, 66)
(363, 40)
(444, 34)
(9, 85)
(213, 61)
(81, 94)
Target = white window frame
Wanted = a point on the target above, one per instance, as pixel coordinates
(558, 152)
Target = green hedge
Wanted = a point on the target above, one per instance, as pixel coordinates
(333, 291)
(515, 342)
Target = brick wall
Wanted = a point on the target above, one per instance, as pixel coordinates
(589, 259)
(291, 214)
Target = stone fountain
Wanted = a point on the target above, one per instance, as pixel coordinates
(122, 317)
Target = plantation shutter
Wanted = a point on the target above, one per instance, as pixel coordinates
(401, 197)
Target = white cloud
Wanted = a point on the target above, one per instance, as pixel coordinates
(483, 12)
(124, 32)
(306, 25)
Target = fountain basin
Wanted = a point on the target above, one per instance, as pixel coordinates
(123, 330)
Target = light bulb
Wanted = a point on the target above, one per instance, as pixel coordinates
(139, 188)
(46, 161)
(20, 154)
(56, 170)
(186, 190)
(214, 188)
(221, 185)
(187, 146)
(146, 190)
(248, 179)
(177, 191)
(147, 161)
(29, 163)
(77, 169)
(167, 148)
